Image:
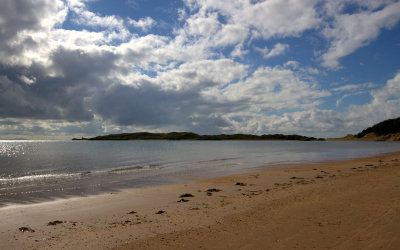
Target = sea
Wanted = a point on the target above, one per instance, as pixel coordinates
(34, 171)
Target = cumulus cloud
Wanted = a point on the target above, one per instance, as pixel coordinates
(114, 24)
(23, 27)
(232, 23)
(195, 76)
(100, 76)
(202, 24)
(268, 89)
(267, 18)
(384, 104)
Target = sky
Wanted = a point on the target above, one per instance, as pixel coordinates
(71, 68)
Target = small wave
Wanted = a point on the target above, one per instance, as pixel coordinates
(30, 178)
(85, 173)
(216, 166)
(134, 169)
(221, 159)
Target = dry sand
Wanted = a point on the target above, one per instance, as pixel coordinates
(337, 205)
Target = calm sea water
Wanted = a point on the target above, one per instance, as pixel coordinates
(32, 171)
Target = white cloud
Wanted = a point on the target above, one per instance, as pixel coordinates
(239, 51)
(144, 23)
(77, 39)
(139, 52)
(277, 50)
(202, 24)
(203, 34)
(350, 32)
(27, 80)
(230, 35)
(292, 64)
(352, 87)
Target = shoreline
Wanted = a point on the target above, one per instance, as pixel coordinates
(94, 181)
(76, 173)
(128, 219)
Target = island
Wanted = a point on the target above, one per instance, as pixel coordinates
(194, 136)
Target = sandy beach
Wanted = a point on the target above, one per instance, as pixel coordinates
(338, 205)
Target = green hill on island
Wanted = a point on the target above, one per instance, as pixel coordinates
(388, 130)
(387, 127)
(194, 136)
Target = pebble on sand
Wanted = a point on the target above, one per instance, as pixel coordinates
(183, 200)
(240, 184)
(213, 190)
(186, 195)
(53, 223)
(26, 229)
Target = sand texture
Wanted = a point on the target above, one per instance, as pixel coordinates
(337, 205)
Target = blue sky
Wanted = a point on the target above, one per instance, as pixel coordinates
(82, 68)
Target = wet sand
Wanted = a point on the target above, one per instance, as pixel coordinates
(340, 205)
